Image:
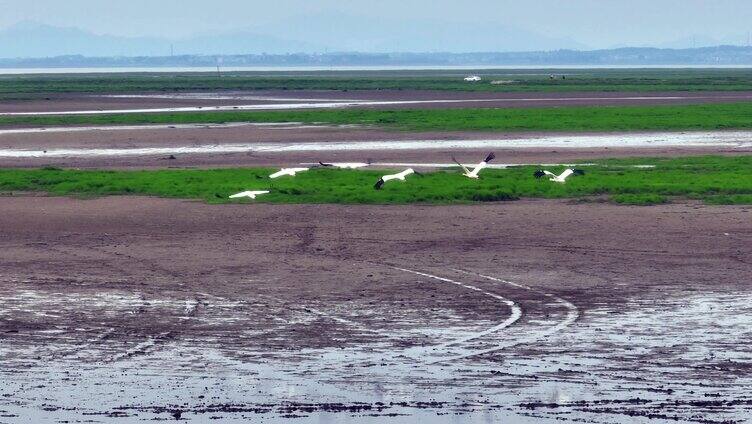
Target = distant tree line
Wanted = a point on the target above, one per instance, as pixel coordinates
(720, 55)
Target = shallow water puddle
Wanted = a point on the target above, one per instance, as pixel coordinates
(666, 359)
(332, 104)
(736, 139)
(52, 130)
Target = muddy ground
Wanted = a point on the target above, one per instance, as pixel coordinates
(268, 144)
(125, 309)
(281, 145)
(78, 101)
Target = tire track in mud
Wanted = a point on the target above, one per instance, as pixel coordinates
(571, 307)
(143, 348)
(314, 311)
(516, 314)
(573, 313)
(571, 316)
(100, 338)
(190, 310)
(152, 341)
(104, 340)
(513, 306)
(300, 308)
(77, 340)
(110, 354)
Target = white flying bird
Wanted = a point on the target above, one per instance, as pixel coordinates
(345, 165)
(401, 176)
(559, 178)
(287, 171)
(474, 173)
(251, 194)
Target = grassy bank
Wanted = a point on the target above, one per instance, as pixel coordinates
(613, 118)
(515, 80)
(712, 179)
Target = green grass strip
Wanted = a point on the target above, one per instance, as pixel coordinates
(713, 179)
(631, 118)
(514, 80)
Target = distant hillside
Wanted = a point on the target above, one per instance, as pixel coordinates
(29, 39)
(721, 55)
(307, 34)
(345, 32)
(307, 39)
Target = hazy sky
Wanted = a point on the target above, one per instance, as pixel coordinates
(595, 23)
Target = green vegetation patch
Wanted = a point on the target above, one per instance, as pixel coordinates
(513, 80)
(713, 179)
(614, 118)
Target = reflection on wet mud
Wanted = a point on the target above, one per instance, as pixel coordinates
(679, 358)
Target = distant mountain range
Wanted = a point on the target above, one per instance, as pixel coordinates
(29, 39)
(343, 32)
(30, 44)
(320, 35)
(310, 34)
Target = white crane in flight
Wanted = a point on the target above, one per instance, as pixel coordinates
(345, 165)
(249, 194)
(287, 171)
(559, 178)
(474, 173)
(401, 176)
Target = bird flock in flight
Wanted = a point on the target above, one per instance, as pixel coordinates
(401, 176)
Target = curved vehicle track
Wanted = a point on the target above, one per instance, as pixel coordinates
(442, 353)
(127, 309)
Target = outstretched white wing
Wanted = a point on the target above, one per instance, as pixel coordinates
(400, 176)
(279, 173)
(350, 165)
(478, 168)
(287, 171)
(249, 194)
(567, 172)
(406, 172)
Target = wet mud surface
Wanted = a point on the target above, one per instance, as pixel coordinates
(289, 144)
(293, 99)
(133, 309)
(150, 146)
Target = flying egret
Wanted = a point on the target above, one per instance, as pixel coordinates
(345, 165)
(287, 171)
(474, 173)
(401, 176)
(250, 194)
(559, 178)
